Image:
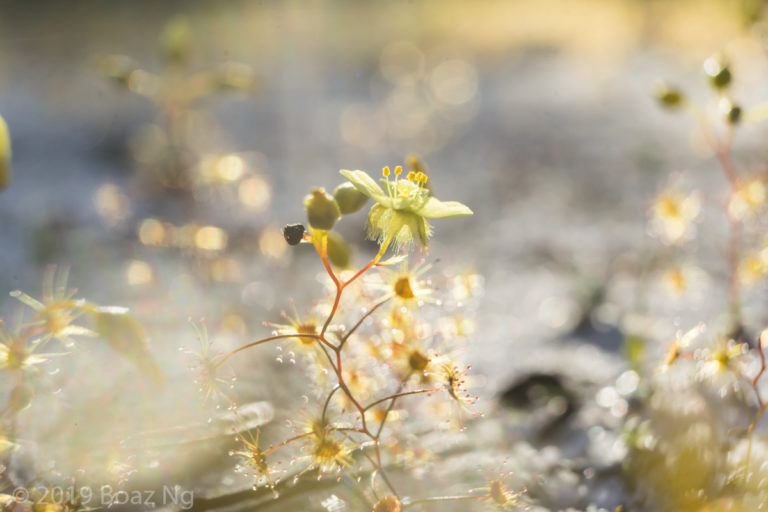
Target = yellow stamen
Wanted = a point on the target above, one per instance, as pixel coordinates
(411, 176)
(399, 170)
(385, 172)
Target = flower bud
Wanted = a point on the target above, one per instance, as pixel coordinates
(5, 155)
(668, 95)
(339, 252)
(293, 233)
(322, 209)
(731, 111)
(349, 198)
(175, 40)
(718, 71)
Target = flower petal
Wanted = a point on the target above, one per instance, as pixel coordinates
(436, 209)
(364, 183)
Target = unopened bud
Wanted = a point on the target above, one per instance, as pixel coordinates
(349, 198)
(339, 252)
(718, 71)
(293, 233)
(731, 111)
(668, 95)
(322, 209)
(175, 40)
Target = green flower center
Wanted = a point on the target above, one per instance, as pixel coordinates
(403, 288)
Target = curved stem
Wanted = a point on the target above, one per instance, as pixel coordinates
(265, 340)
(327, 402)
(750, 435)
(722, 149)
(273, 449)
(443, 498)
(398, 395)
(360, 322)
(762, 405)
(391, 406)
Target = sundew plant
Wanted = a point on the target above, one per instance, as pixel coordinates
(58, 324)
(374, 365)
(696, 446)
(171, 152)
(419, 256)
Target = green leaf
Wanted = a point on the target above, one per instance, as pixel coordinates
(126, 336)
(436, 209)
(364, 184)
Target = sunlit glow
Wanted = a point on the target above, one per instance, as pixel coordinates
(402, 62)
(454, 81)
(139, 273)
(111, 204)
(151, 232)
(254, 193)
(211, 238)
(272, 244)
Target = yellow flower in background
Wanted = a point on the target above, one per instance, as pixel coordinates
(683, 279)
(673, 215)
(675, 280)
(753, 266)
(402, 207)
(722, 358)
(748, 199)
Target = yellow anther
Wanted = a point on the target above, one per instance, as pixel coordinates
(385, 171)
(399, 170)
(421, 177)
(411, 176)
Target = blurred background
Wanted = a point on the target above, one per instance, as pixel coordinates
(535, 113)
